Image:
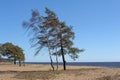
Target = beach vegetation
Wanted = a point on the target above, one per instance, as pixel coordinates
(51, 33)
(42, 28)
(12, 52)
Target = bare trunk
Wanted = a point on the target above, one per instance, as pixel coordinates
(63, 57)
(15, 61)
(50, 54)
(62, 52)
(19, 63)
(51, 58)
(48, 44)
(51, 63)
(57, 61)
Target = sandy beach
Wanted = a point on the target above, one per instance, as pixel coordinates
(43, 72)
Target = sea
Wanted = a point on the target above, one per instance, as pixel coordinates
(101, 64)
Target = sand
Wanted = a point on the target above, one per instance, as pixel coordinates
(43, 72)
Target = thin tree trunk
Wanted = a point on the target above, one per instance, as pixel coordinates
(19, 63)
(52, 63)
(63, 57)
(48, 44)
(57, 63)
(50, 54)
(15, 61)
(57, 60)
(51, 59)
(62, 52)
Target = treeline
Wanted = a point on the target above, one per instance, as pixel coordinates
(12, 52)
(51, 33)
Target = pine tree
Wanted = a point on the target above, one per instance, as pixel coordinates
(53, 34)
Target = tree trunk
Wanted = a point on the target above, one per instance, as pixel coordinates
(19, 63)
(63, 57)
(48, 44)
(50, 54)
(57, 61)
(51, 63)
(62, 52)
(15, 61)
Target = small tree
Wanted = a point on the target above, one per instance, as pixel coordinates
(20, 55)
(13, 52)
(8, 51)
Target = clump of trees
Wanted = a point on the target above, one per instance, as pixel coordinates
(12, 52)
(49, 32)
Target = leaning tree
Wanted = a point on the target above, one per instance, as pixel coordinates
(64, 43)
(48, 31)
(42, 28)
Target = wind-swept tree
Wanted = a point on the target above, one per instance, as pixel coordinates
(64, 44)
(49, 32)
(42, 28)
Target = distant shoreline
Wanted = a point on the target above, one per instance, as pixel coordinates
(101, 64)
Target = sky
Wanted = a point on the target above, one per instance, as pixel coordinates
(96, 24)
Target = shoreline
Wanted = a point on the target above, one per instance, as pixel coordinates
(39, 67)
(96, 64)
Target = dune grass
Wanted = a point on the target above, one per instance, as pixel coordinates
(114, 77)
(74, 73)
(48, 75)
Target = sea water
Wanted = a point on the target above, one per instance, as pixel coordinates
(101, 64)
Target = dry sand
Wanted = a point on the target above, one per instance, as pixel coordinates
(43, 72)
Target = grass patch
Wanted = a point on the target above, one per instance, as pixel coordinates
(115, 77)
(34, 75)
(9, 72)
(47, 75)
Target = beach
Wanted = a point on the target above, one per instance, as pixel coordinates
(44, 72)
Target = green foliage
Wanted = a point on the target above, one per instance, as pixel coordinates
(49, 32)
(42, 28)
(12, 52)
(1, 49)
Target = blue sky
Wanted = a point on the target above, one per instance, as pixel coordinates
(96, 24)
